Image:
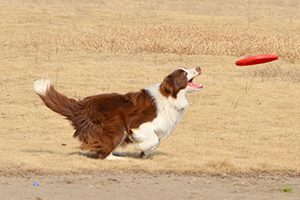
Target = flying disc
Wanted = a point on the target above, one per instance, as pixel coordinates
(258, 59)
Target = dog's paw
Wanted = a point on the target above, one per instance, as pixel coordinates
(112, 157)
(143, 155)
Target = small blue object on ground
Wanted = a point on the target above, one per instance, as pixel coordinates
(36, 184)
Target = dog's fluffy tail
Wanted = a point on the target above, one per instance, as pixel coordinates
(54, 100)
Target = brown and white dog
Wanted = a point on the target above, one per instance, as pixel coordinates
(105, 121)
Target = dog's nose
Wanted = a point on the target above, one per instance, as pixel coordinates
(198, 69)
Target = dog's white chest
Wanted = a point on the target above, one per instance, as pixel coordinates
(169, 112)
(166, 121)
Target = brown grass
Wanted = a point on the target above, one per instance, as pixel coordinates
(246, 120)
(276, 72)
(181, 40)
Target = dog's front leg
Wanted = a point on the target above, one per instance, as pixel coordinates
(148, 145)
(144, 154)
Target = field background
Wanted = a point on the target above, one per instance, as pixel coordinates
(245, 120)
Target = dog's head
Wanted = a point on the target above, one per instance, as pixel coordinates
(180, 80)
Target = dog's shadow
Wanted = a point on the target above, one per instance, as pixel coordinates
(135, 155)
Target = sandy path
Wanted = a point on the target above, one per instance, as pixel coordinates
(146, 186)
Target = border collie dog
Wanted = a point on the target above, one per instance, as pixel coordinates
(105, 121)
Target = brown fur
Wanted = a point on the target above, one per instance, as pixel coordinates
(173, 83)
(101, 121)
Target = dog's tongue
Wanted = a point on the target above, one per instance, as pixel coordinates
(191, 84)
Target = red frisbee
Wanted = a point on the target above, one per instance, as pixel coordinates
(254, 60)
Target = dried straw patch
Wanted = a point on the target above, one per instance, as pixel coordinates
(182, 40)
(276, 72)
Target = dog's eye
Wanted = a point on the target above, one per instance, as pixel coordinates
(183, 73)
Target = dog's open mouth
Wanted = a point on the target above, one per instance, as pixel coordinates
(191, 84)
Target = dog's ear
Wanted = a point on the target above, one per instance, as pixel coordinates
(166, 86)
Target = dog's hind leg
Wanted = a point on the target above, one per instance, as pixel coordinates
(103, 140)
(107, 152)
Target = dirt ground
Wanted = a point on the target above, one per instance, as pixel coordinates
(149, 186)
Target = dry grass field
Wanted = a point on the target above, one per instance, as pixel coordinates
(246, 120)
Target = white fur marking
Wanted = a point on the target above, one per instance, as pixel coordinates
(112, 157)
(41, 86)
